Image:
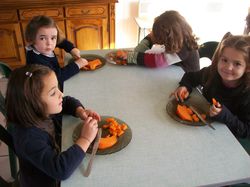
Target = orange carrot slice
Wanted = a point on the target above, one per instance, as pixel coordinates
(183, 113)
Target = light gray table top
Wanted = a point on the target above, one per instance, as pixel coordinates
(162, 152)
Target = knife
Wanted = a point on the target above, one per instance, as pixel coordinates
(94, 150)
(200, 117)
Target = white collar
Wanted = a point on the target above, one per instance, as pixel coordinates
(31, 48)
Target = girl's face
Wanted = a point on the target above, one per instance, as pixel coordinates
(51, 94)
(45, 41)
(231, 66)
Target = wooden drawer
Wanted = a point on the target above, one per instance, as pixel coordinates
(27, 14)
(8, 15)
(95, 11)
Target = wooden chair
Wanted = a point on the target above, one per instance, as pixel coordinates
(6, 137)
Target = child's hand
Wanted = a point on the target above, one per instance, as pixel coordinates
(181, 93)
(88, 133)
(122, 55)
(90, 113)
(81, 62)
(89, 129)
(215, 108)
(84, 114)
(75, 53)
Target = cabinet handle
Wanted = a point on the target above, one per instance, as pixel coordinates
(85, 11)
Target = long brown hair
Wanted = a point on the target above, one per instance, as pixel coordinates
(41, 21)
(24, 105)
(173, 31)
(240, 43)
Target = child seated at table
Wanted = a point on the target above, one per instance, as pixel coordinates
(43, 35)
(33, 99)
(171, 42)
(227, 80)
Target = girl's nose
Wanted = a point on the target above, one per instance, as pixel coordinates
(60, 94)
(229, 65)
(48, 42)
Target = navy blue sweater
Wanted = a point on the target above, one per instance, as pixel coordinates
(41, 164)
(62, 73)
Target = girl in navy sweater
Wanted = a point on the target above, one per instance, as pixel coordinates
(43, 35)
(32, 101)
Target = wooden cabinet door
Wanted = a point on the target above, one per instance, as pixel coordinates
(87, 34)
(12, 50)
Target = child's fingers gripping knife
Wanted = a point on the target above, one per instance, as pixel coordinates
(81, 62)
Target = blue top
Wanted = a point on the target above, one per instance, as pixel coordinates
(34, 57)
(41, 164)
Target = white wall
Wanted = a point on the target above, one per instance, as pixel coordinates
(210, 21)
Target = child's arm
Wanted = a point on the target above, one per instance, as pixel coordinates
(193, 79)
(81, 62)
(85, 113)
(238, 124)
(145, 44)
(66, 45)
(75, 52)
(181, 93)
(73, 106)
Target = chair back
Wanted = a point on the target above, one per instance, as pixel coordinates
(2, 105)
(6, 137)
(4, 70)
(144, 8)
(207, 49)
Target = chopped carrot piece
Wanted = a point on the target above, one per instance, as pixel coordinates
(190, 111)
(183, 113)
(203, 116)
(195, 118)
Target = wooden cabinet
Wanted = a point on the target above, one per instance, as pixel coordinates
(89, 24)
(12, 49)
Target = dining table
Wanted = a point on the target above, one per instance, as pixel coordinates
(162, 152)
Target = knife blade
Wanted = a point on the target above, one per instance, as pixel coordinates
(200, 117)
(94, 150)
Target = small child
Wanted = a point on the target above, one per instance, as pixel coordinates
(171, 42)
(227, 80)
(43, 35)
(32, 101)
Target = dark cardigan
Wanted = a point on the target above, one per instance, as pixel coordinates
(41, 164)
(33, 57)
